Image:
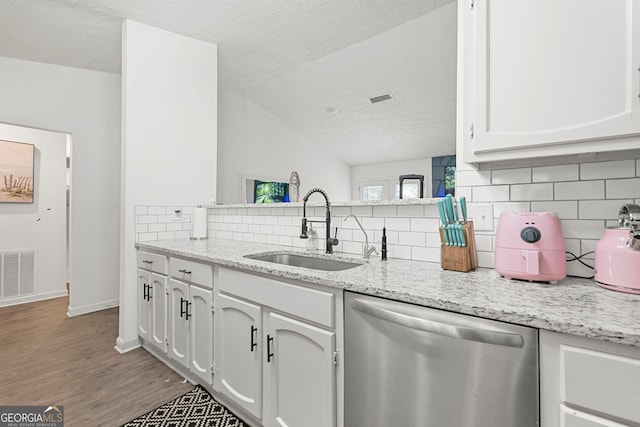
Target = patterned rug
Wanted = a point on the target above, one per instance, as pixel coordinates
(193, 409)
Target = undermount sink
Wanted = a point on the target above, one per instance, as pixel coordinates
(304, 261)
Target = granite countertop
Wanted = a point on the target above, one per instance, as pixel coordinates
(573, 306)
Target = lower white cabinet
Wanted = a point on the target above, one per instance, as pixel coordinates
(190, 317)
(586, 382)
(152, 286)
(279, 367)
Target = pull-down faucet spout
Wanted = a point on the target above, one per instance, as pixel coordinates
(331, 242)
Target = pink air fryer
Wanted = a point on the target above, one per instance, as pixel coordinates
(530, 246)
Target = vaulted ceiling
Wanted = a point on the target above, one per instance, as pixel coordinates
(312, 63)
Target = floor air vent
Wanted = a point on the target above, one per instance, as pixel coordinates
(384, 97)
(17, 275)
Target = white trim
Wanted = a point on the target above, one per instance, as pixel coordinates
(123, 347)
(32, 298)
(90, 308)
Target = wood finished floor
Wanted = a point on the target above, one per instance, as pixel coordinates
(50, 359)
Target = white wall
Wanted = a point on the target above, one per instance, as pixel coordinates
(253, 142)
(40, 225)
(169, 138)
(390, 172)
(85, 104)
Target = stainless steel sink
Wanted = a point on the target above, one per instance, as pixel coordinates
(313, 263)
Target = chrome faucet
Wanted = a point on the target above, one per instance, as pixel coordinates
(331, 242)
(366, 250)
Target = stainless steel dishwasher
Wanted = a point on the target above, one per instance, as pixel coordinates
(412, 366)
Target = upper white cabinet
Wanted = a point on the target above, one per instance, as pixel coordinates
(548, 78)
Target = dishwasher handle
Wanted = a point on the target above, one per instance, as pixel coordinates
(506, 339)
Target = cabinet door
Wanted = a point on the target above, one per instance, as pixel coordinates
(238, 352)
(178, 322)
(550, 72)
(143, 304)
(299, 374)
(158, 332)
(201, 332)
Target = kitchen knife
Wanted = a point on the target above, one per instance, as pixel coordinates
(461, 240)
(443, 219)
(463, 208)
(448, 205)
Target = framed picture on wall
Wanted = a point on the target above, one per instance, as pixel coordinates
(16, 172)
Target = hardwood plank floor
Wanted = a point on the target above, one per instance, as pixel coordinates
(50, 359)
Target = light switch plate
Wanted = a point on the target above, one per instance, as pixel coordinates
(482, 216)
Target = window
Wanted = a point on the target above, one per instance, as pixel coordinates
(411, 190)
(373, 190)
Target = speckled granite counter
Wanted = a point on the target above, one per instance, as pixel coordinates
(574, 306)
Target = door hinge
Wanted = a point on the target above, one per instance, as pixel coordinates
(214, 371)
(213, 309)
(471, 131)
(335, 357)
(166, 340)
(471, 4)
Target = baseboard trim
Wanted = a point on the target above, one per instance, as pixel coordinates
(123, 346)
(32, 298)
(90, 308)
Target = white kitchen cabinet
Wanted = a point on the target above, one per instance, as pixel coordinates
(178, 315)
(152, 285)
(238, 352)
(190, 316)
(300, 377)
(586, 382)
(547, 78)
(276, 350)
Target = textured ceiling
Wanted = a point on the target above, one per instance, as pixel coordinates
(294, 58)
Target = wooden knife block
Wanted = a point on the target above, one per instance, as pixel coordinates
(459, 258)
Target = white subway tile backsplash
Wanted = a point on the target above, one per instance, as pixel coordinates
(284, 220)
(142, 228)
(433, 240)
(362, 211)
(352, 247)
(623, 188)
(582, 190)
(473, 178)
(141, 210)
(600, 209)
(146, 237)
(397, 224)
(564, 209)
(248, 219)
(157, 227)
(511, 176)
(425, 254)
(605, 170)
(271, 220)
(292, 212)
(411, 238)
(556, 173)
(425, 224)
(260, 238)
(542, 191)
(398, 251)
(496, 193)
(340, 210)
(182, 234)
(431, 211)
(485, 259)
(483, 243)
(588, 246)
(243, 228)
(573, 246)
(254, 228)
(385, 211)
(166, 235)
(499, 208)
(272, 239)
(259, 219)
(582, 229)
(147, 219)
(410, 211)
(466, 192)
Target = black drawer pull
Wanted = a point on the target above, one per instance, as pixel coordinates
(184, 271)
(146, 261)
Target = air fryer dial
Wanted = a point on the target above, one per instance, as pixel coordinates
(530, 234)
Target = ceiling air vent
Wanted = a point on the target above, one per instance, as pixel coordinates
(384, 97)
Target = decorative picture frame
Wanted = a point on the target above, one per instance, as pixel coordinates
(16, 172)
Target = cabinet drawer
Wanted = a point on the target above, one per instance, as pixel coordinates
(153, 262)
(604, 382)
(191, 271)
(311, 304)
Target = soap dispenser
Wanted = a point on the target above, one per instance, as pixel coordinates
(312, 241)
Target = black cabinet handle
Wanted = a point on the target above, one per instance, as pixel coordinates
(254, 344)
(182, 270)
(269, 354)
(145, 292)
(187, 304)
(182, 307)
(149, 289)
